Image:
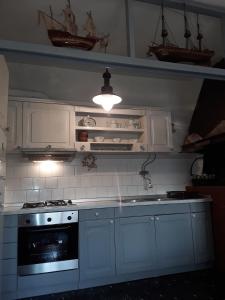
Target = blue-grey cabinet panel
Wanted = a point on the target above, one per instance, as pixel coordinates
(135, 244)
(9, 266)
(9, 283)
(148, 210)
(9, 250)
(10, 221)
(174, 240)
(10, 235)
(200, 206)
(49, 279)
(96, 214)
(97, 249)
(202, 237)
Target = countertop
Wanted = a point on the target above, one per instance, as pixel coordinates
(102, 203)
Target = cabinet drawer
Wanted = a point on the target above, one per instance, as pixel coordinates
(9, 235)
(200, 206)
(9, 266)
(9, 283)
(96, 214)
(9, 250)
(148, 210)
(10, 221)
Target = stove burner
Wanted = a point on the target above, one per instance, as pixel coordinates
(56, 203)
(46, 203)
(33, 204)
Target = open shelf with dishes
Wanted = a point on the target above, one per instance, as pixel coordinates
(118, 131)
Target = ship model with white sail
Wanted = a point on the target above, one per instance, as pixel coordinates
(166, 51)
(65, 34)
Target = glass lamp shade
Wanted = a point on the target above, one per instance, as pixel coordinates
(107, 100)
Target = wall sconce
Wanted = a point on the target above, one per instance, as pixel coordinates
(107, 99)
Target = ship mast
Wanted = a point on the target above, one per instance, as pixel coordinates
(200, 35)
(164, 32)
(187, 32)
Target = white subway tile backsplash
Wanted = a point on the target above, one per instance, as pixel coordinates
(114, 177)
(26, 183)
(45, 194)
(69, 194)
(38, 183)
(51, 182)
(57, 194)
(33, 195)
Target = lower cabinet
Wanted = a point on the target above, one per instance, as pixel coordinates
(174, 240)
(202, 237)
(97, 249)
(135, 244)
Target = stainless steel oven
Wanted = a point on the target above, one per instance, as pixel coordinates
(47, 242)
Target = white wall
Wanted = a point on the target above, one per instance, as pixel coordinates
(114, 176)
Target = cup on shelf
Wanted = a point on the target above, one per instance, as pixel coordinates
(99, 139)
(116, 140)
(133, 141)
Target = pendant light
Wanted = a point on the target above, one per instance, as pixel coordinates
(107, 99)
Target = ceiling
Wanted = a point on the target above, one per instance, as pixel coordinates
(19, 23)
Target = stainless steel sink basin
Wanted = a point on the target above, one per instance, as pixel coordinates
(142, 199)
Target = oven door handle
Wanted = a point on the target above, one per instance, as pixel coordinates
(49, 229)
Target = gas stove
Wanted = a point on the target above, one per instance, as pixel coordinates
(46, 203)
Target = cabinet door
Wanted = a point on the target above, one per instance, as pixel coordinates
(159, 131)
(174, 240)
(203, 237)
(135, 244)
(48, 125)
(97, 249)
(14, 133)
(4, 86)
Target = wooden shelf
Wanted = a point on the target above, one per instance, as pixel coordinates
(109, 129)
(37, 54)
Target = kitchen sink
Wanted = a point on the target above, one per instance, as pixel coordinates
(142, 199)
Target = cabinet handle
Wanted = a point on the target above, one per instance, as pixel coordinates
(97, 214)
(111, 222)
(157, 218)
(193, 215)
(152, 218)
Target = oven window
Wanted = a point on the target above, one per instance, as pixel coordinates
(50, 243)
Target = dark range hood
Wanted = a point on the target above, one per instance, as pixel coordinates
(53, 154)
(207, 127)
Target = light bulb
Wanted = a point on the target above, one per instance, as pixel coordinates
(107, 100)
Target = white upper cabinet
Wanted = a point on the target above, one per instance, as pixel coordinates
(14, 129)
(4, 86)
(159, 131)
(48, 125)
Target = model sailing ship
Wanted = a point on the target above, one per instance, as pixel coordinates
(173, 53)
(66, 34)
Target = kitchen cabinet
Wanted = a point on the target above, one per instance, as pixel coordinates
(8, 259)
(159, 131)
(174, 240)
(4, 86)
(97, 249)
(48, 125)
(14, 128)
(202, 237)
(135, 244)
(123, 130)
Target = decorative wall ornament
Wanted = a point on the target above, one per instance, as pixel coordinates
(89, 161)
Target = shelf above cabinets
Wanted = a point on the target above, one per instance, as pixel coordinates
(36, 54)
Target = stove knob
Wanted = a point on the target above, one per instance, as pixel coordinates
(70, 202)
(49, 219)
(69, 218)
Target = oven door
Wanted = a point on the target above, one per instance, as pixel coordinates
(48, 248)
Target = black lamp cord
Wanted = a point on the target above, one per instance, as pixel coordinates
(146, 174)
